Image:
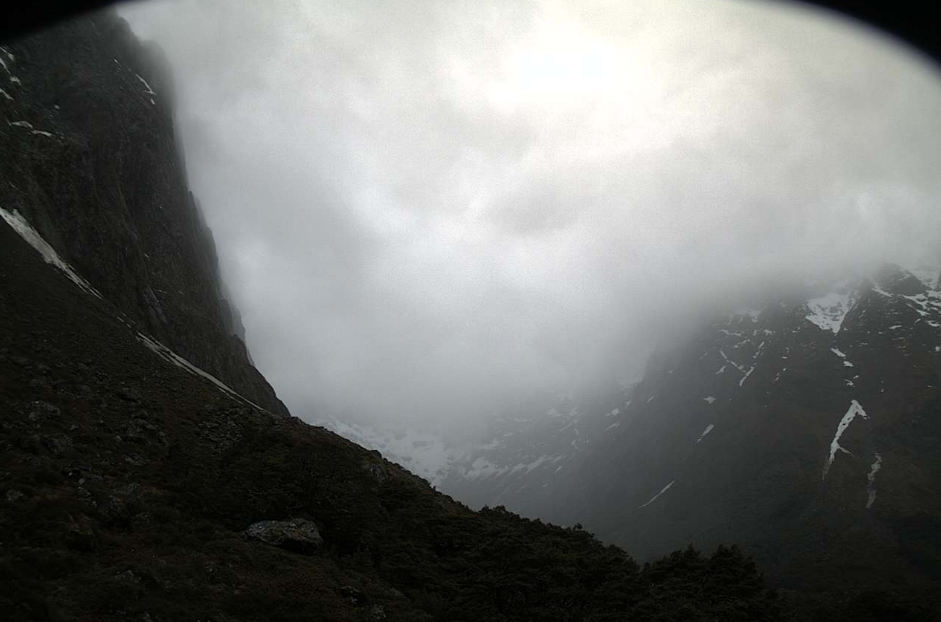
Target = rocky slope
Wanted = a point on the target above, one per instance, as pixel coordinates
(90, 159)
(148, 472)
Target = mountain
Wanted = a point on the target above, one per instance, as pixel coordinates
(148, 471)
(90, 159)
(805, 428)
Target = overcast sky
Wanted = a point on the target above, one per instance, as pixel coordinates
(423, 206)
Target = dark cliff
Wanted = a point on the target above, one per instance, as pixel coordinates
(90, 159)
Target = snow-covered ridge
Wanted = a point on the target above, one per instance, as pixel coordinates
(32, 237)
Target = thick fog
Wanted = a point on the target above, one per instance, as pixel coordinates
(423, 207)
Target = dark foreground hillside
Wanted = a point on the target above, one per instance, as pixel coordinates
(127, 484)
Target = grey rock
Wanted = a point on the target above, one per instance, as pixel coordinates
(40, 410)
(128, 394)
(139, 431)
(297, 534)
(57, 444)
(376, 612)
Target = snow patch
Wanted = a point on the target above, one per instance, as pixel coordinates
(32, 237)
(828, 312)
(148, 90)
(6, 95)
(745, 372)
(871, 476)
(612, 426)
(710, 399)
(705, 432)
(838, 353)
(656, 496)
(847, 364)
(26, 124)
(854, 409)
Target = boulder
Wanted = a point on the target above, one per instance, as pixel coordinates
(297, 534)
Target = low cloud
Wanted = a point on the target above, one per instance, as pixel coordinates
(422, 208)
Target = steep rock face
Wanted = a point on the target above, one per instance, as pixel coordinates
(90, 159)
